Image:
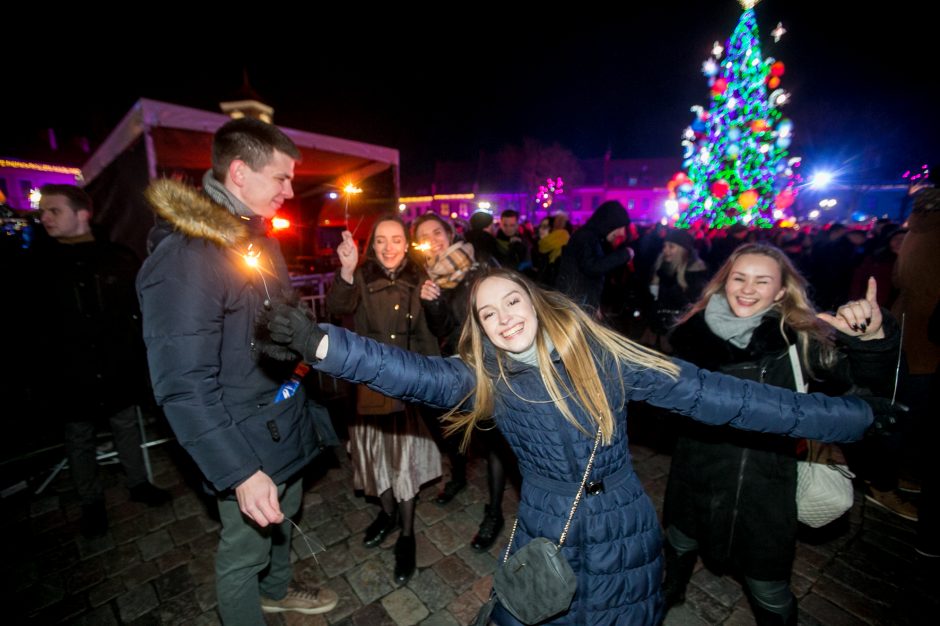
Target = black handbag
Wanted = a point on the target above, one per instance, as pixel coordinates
(537, 582)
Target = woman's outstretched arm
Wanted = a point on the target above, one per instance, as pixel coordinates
(393, 372)
(720, 399)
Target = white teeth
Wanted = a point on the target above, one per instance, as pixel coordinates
(513, 332)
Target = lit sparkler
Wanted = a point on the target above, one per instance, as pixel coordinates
(252, 258)
(350, 190)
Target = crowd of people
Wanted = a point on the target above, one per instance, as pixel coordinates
(518, 343)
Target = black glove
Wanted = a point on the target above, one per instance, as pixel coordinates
(262, 341)
(888, 415)
(290, 327)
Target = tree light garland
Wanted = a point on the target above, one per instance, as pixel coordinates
(735, 152)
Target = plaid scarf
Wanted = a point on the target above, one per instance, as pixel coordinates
(452, 265)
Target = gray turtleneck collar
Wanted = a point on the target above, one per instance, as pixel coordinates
(530, 356)
(219, 194)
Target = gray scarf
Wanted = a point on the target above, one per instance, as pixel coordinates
(530, 356)
(723, 322)
(220, 195)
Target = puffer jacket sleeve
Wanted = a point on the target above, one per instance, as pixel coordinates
(719, 399)
(434, 381)
(181, 298)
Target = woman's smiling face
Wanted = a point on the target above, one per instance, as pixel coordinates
(389, 243)
(754, 284)
(506, 314)
(435, 235)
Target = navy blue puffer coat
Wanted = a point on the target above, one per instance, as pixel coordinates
(614, 543)
(200, 301)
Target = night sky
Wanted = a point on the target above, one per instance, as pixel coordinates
(445, 90)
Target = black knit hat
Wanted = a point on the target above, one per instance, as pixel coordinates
(681, 238)
(481, 220)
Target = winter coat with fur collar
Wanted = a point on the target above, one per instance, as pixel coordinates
(200, 301)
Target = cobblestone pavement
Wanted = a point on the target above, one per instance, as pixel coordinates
(155, 566)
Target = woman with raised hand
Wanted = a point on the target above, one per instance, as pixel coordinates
(453, 267)
(731, 495)
(392, 450)
(554, 380)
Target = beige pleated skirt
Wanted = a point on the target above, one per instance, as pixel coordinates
(394, 451)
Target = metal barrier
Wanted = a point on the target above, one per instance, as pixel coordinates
(109, 456)
(312, 289)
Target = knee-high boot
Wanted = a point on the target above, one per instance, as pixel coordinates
(678, 574)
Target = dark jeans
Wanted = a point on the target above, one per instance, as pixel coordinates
(81, 448)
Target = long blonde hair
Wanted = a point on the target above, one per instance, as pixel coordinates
(796, 311)
(688, 261)
(573, 334)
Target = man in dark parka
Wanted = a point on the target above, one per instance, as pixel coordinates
(246, 421)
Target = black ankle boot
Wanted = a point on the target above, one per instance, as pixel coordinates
(404, 559)
(489, 529)
(451, 489)
(679, 569)
(383, 526)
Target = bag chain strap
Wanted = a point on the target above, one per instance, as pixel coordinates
(574, 506)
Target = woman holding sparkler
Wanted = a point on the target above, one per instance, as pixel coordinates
(452, 268)
(392, 451)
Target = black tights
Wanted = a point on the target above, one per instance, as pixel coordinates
(495, 475)
(406, 508)
(495, 480)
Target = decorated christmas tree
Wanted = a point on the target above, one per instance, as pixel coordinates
(736, 167)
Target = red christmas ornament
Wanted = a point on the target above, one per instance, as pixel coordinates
(777, 69)
(720, 86)
(759, 126)
(773, 82)
(720, 188)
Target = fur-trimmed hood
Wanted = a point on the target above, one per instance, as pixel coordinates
(190, 211)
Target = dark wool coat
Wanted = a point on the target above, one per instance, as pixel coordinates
(385, 307)
(614, 543)
(200, 302)
(735, 491)
(84, 302)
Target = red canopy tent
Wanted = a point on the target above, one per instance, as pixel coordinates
(157, 139)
